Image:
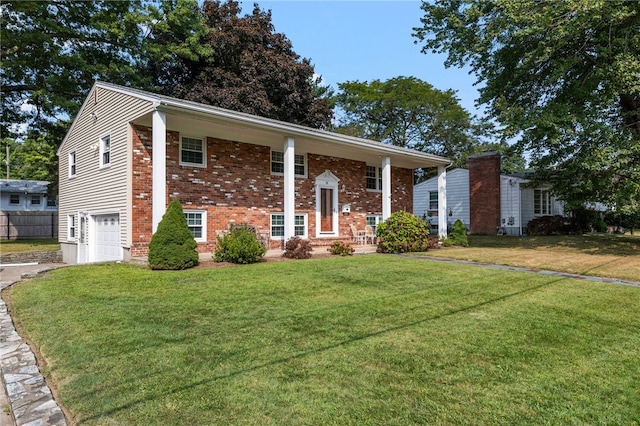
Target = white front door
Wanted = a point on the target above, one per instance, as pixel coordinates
(327, 205)
(83, 246)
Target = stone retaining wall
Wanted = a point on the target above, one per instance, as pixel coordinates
(32, 257)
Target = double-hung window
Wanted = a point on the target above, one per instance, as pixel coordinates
(72, 164)
(374, 178)
(277, 225)
(71, 227)
(541, 202)
(374, 220)
(14, 199)
(193, 152)
(299, 164)
(196, 221)
(35, 200)
(433, 201)
(105, 151)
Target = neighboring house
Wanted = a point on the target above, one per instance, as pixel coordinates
(486, 201)
(129, 152)
(25, 196)
(26, 211)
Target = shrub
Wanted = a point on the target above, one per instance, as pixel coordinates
(240, 245)
(402, 232)
(341, 248)
(457, 236)
(297, 248)
(549, 225)
(173, 247)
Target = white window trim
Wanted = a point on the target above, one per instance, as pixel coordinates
(102, 151)
(543, 193)
(36, 197)
(203, 238)
(73, 164)
(204, 152)
(378, 178)
(306, 164)
(306, 225)
(71, 224)
(436, 201)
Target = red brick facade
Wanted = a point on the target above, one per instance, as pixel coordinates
(237, 187)
(484, 193)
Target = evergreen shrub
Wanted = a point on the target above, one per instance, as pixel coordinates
(402, 232)
(173, 247)
(457, 236)
(240, 245)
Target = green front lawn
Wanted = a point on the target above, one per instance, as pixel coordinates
(22, 246)
(375, 339)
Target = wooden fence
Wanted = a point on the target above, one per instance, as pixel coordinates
(28, 225)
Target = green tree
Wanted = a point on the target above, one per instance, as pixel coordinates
(173, 247)
(252, 69)
(564, 76)
(409, 112)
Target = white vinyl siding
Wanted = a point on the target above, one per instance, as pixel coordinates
(91, 189)
(457, 197)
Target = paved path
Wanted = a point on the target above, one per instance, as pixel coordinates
(25, 398)
(529, 270)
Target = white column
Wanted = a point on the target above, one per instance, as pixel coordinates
(442, 201)
(289, 189)
(386, 187)
(159, 187)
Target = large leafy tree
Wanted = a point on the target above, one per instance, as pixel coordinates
(563, 76)
(252, 69)
(409, 112)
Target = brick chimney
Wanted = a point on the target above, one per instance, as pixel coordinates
(484, 193)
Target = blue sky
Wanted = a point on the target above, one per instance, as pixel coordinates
(364, 40)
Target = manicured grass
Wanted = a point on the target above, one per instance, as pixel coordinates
(375, 339)
(615, 256)
(23, 246)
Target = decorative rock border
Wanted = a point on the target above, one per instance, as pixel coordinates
(32, 257)
(32, 403)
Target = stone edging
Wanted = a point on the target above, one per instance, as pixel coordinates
(31, 400)
(32, 257)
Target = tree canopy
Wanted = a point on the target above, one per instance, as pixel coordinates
(252, 69)
(562, 76)
(52, 52)
(409, 112)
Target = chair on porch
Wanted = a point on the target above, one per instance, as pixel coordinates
(358, 236)
(369, 235)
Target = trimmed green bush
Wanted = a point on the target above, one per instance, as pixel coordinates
(173, 247)
(457, 236)
(240, 245)
(341, 248)
(402, 232)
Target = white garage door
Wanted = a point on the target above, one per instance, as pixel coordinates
(107, 238)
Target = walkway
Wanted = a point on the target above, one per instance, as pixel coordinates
(25, 398)
(529, 270)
